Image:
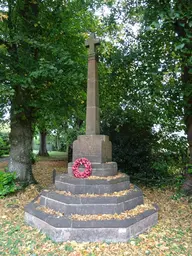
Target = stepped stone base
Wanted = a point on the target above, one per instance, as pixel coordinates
(86, 197)
(91, 186)
(64, 229)
(91, 205)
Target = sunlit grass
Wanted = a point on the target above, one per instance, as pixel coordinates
(57, 155)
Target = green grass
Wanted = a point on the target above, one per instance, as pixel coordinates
(6, 155)
(57, 153)
(53, 155)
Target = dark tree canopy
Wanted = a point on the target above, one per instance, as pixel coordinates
(145, 67)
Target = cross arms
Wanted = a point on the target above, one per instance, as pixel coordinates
(91, 43)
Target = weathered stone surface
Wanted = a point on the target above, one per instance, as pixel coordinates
(53, 220)
(92, 111)
(90, 205)
(96, 148)
(66, 221)
(84, 186)
(91, 189)
(93, 208)
(113, 223)
(97, 181)
(78, 199)
(93, 231)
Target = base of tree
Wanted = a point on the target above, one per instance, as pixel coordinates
(24, 184)
(43, 154)
(187, 185)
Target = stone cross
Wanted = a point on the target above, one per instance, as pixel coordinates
(91, 43)
(92, 112)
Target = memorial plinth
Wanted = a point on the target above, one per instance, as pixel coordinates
(96, 148)
(70, 209)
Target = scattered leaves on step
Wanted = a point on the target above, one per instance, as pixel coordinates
(124, 215)
(50, 211)
(117, 194)
(38, 200)
(119, 175)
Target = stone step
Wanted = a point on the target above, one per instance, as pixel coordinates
(74, 185)
(70, 204)
(99, 169)
(62, 228)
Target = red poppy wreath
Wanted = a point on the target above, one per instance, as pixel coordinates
(88, 168)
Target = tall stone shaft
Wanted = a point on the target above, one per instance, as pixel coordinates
(92, 111)
(93, 146)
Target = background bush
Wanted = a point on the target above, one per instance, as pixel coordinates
(7, 183)
(132, 141)
(141, 151)
(4, 143)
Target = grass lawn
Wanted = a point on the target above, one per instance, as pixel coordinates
(4, 156)
(53, 155)
(171, 236)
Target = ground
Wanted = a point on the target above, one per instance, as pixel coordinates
(171, 236)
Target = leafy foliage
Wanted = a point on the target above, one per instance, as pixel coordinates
(7, 183)
(189, 168)
(43, 53)
(4, 143)
(146, 68)
(132, 140)
(41, 60)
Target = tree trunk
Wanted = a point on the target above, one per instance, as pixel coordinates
(21, 149)
(57, 142)
(43, 145)
(182, 28)
(189, 137)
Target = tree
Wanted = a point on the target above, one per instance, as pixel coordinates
(42, 43)
(161, 68)
(172, 20)
(43, 145)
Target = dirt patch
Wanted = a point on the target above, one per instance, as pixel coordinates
(43, 171)
(3, 165)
